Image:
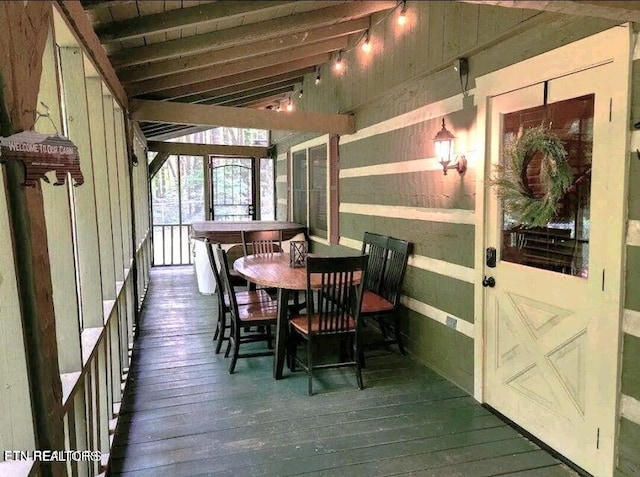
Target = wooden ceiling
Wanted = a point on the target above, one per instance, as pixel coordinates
(247, 54)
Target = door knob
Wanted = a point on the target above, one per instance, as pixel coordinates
(488, 282)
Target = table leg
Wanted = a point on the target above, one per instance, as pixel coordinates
(281, 333)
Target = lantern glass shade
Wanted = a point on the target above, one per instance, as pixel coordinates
(444, 145)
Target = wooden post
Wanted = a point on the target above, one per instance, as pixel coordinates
(22, 42)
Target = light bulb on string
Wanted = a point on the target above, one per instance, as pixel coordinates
(402, 18)
(339, 64)
(289, 105)
(366, 44)
(317, 75)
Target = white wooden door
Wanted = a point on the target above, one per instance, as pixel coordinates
(550, 356)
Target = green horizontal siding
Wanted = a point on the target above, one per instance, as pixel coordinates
(445, 350)
(628, 449)
(631, 366)
(444, 293)
(429, 189)
(634, 184)
(411, 142)
(452, 243)
(632, 279)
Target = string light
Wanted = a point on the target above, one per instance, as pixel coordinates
(289, 105)
(317, 75)
(366, 44)
(402, 18)
(339, 64)
(300, 94)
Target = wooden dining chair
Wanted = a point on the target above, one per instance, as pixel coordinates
(376, 246)
(224, 306)
(261, 314)
(261, 241)
(382, 305)
(334, 299)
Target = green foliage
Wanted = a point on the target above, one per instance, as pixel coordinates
(555, 176)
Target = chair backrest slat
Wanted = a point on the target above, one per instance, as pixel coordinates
(261, 241)
(395, 270)
(228, 292)
(216, 274)
(375, 246)
(339, 298)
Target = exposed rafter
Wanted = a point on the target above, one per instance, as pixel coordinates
(236, 67)
(210, 96)
(190, 149)
(97, 4)
(612, 10)
(242, 77)
(246, 100)
(176, 19)
(248, 34)
(202, 115)
(216, 57)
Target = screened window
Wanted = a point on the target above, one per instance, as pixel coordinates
(310, 187)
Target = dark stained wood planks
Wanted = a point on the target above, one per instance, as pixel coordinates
(184, 415)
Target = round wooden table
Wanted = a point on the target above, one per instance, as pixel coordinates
(273, 270)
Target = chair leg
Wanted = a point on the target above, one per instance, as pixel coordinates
(236, 351)
(222, 326)
(396, 330)
(217, 332)
(357, 353)
(310, 366)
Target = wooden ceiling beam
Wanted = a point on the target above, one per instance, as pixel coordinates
(194, 149)
(248, 34)
(180, 65)
(240, 88)
(177, 19)
(214, 116)
(611, 10)
(273, 99)
(176, 133)
(97, 4)
(253, 75)
(77, 19)
(236, 67)
(240, 99)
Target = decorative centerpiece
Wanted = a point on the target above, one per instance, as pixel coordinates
(529, 207)
(298, 253)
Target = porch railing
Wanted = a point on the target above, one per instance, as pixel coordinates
(171, 245)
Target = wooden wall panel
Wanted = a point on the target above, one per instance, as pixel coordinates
(88, 259)
(59, 234)
(101, 185)
(114, 192)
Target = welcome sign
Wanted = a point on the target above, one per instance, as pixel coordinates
(40, 154)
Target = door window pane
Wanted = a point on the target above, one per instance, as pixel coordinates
(563, 244)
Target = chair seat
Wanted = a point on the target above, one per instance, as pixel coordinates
(258, 312)
(374, 303)
(301, 323)
(246, 297)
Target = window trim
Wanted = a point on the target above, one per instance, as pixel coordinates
(331, 164)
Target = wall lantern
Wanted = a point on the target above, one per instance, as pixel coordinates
(444, 147)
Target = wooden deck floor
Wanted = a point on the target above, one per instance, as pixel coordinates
(184, 415)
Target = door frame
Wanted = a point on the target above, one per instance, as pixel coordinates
(610, 46)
